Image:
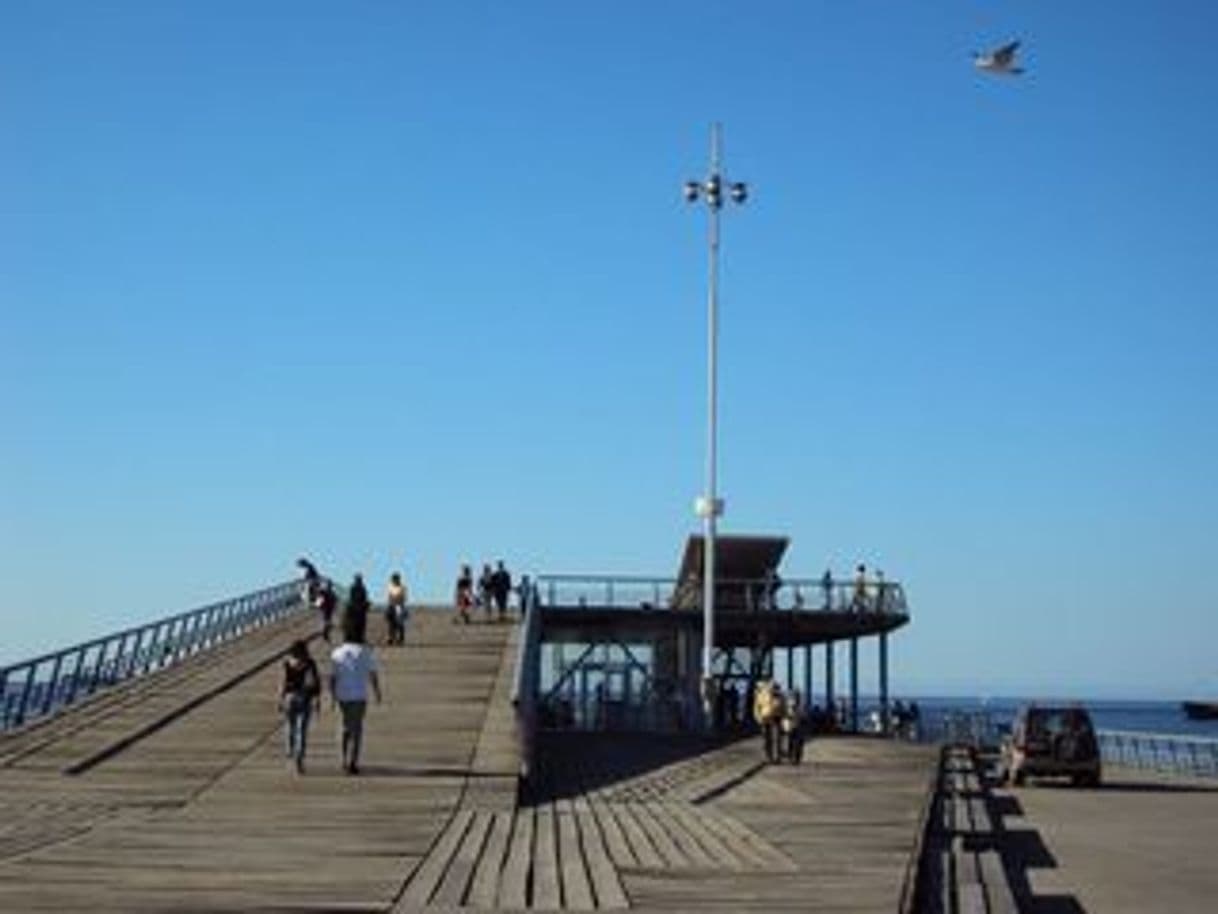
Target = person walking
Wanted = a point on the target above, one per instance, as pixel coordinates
(463, 599)
(355, 615)
(395, 609)
(299, 695)
(353, 670)
(327, 603)
(485, 587)
(826, 583)
(793, 728)
(501, 589)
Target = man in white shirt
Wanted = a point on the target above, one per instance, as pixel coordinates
(353, 669)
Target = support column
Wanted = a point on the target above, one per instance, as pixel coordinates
(829, 700)
(854, 684)
(790, 669)
(884, 680)
(808, 676)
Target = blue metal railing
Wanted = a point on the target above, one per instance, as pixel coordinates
(1189, 755)
(39, 687)
(801, 594)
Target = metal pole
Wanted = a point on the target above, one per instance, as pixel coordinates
(712, 190)
(710, 507)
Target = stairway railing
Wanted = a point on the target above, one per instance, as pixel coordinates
(39, 687)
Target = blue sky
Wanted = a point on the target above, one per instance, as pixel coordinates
(410, 284)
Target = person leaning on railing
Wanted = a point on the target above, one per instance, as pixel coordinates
(858, 602)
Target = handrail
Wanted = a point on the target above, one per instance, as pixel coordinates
(526, 679)
(576, 591)
(41, 686)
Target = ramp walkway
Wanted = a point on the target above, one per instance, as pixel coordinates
(172, 793)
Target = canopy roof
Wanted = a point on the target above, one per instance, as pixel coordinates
(738, 559)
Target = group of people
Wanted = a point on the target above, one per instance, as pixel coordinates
(353, 673)
(492, 592)
(782, 721)
(352, 676)
(861, 599)
(320, 594)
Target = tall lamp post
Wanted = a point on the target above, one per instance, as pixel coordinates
(709, 506)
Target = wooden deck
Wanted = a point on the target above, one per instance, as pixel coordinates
(187, 805)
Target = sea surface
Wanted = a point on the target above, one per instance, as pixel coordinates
(1139, 716)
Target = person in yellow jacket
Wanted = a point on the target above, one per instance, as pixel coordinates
(768, 710)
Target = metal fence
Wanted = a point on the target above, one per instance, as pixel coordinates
(38, 687)
(1189, 755)
(796, 595)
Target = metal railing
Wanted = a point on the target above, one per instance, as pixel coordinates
(976, 729)
(1189, 755)
(796, 595)
(527, 679)
(39, 687)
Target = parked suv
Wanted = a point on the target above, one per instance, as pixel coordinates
(1052, 741)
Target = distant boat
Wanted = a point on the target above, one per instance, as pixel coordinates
(1200, 710)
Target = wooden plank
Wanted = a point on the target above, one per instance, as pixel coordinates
(605, 881)
(970, 897)
(640, 844)
(547, 890)
(576, 889)
(663, 842)
(748, 843)
(665, 815)
(998, 892)
(514, 883)
(947, 885)
(461, 870)
(615, 841)
(485, 887)
(428, 876)
(721, 854)
(979, 812)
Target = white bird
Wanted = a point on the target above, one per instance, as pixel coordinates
(1001, 61)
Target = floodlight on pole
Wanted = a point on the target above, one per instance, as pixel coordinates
(709, 506)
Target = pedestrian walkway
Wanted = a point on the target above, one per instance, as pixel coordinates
(188, 804)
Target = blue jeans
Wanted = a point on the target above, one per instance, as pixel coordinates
(296, 708)
(352, 731)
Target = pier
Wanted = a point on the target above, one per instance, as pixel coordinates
(168, 790)
(553, 762)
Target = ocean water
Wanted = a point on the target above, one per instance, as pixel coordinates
(1140, 716)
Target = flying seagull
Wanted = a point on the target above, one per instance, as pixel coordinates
(1001, 61)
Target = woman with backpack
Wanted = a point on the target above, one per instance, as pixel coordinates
(299, 696)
